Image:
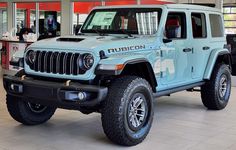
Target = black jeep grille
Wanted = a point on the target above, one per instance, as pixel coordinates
(57, 63)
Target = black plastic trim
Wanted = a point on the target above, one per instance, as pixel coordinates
(108, 72)
(230, 59)
(130, 62)
(177, 89)
(63, 39)
(49, 93)
(118, 72)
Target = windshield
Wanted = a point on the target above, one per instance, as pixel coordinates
(141, 21)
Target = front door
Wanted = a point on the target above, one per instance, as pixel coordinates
(175, 64)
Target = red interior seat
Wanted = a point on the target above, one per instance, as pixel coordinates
(172, 25)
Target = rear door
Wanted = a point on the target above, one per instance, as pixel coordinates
(200, 43)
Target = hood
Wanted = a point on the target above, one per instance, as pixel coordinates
(109, 44)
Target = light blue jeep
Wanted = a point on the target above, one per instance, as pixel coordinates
(123, 58)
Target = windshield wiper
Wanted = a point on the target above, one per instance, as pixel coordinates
(79, 33)
(99, 32)
(125, 32)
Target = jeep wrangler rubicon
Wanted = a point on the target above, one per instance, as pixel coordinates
(123, 58)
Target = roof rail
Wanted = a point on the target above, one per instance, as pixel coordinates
(203, 4)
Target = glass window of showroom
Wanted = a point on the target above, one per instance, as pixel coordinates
(3, 18)
(49, 18)
(230, 19)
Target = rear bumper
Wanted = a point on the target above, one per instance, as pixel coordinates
(57, 94)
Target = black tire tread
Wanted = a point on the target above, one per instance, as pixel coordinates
(13, 110)
(113, 123)
(208, 94)
(16, 112)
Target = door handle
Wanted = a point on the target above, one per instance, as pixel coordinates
(206, 48)
(186, 50)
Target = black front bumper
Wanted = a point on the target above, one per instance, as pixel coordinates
(54, 93)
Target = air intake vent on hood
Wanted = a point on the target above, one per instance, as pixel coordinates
(70, 39)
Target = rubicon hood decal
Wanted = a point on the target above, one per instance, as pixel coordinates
(125, 49)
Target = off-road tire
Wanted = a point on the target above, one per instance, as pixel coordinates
(116, 109)
(21, 112)
(210, 91)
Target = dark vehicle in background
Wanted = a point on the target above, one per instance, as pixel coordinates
(231, 40)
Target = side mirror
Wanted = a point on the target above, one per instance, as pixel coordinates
(167, 40)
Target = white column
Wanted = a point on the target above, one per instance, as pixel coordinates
(66, 17)
(37, 19)
(11, 15)
(1, 26)
(103, 3)
(138, 2)
(181, 1)
(219, 4)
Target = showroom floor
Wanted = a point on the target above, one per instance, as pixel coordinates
(180, 123)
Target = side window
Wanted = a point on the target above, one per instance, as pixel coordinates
(199, 25)
(217, 29)
(176, 26)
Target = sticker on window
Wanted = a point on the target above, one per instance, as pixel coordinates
(103, 18)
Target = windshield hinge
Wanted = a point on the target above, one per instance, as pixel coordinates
(161, 53)
(161, 74)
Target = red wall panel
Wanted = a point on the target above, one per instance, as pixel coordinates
(3, 5)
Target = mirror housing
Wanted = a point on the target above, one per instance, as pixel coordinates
(167, 40)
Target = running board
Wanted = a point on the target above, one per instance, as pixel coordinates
(178, 89)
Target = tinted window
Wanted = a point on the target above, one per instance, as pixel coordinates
(216, 25)
(176, 26)
(199, 25)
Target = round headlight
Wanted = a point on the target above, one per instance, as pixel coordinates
(88, 61)
(31, 56)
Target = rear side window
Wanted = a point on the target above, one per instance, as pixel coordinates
(216, 25)
(199, 25)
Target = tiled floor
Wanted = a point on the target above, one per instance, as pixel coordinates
(181, 123)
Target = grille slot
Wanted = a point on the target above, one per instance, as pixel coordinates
(57, 63)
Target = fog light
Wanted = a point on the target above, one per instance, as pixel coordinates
(73, 96)
(82, 95)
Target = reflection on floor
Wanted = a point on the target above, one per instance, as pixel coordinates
(181, 123)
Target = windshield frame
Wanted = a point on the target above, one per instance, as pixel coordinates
(136, 10)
